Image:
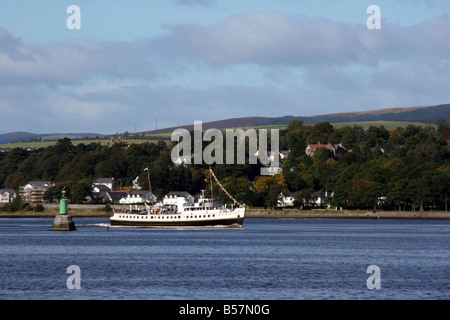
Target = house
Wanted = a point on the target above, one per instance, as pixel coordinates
(285, 199)
(99, 184)
(320, 199)
(107, 196)
(270, 170)
(7, 195)
(182, 160)
(335, 148)
(178, 198)
(119, 142)
(100, 188)
(33, 191)
(138, 197)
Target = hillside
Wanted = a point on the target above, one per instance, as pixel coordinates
(428, 114)
(20, 136)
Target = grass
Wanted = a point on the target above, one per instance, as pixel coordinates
(388, 125)
(44, 144)
(153, 138)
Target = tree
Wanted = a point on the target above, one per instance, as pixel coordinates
(269, 186)
(304, 197)
(320, 132)
(273, 195)
(377, 135)
(81, 190)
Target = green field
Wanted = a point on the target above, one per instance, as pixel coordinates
(389, 125)
(44, 144)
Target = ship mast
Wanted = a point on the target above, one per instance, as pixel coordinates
(149, 184)
(210, 182)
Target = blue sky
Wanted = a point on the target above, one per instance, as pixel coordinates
(134, 63)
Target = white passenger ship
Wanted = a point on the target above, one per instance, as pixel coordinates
(205, 212)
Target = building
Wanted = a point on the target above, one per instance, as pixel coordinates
(138, 197)
(335, 148)
(270, 170)
(320, 199)
(7, 195)
(179, 198)
(33, 191)
(182, 160)
(100, 184)
(285, 199)
(107, 196)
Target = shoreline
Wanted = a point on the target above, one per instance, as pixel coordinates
(347, 214)
(268, 214)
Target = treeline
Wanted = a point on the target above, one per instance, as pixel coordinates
(406, 168)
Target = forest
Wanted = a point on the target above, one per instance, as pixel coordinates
(401, 169)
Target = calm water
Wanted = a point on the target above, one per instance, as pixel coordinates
(267, 259)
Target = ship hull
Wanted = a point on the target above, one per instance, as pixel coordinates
(194, 218)
(229, 222)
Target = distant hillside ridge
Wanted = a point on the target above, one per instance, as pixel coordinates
(19, 136)
(220, 124)
(421, 114)
(429, 114)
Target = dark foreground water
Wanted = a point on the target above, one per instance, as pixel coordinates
(267, 259)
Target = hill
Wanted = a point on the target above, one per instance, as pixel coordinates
(24, 136)
(429, 114)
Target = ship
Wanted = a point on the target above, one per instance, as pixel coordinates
(205, 212)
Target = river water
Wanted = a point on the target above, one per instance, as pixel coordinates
(268, 259)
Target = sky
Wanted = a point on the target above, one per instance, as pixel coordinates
(137, 65)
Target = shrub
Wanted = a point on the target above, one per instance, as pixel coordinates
(39, 208)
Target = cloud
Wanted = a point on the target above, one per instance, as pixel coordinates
(195, 2)
(305, 66)
(272, 38)
(71, 62)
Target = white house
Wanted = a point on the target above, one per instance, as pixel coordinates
(7, 195)
(285, 199)
(271, 170)
(182, 160)
(178, 198)
(138, 197)
(320, 199)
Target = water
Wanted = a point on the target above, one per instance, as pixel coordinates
(277, 259)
